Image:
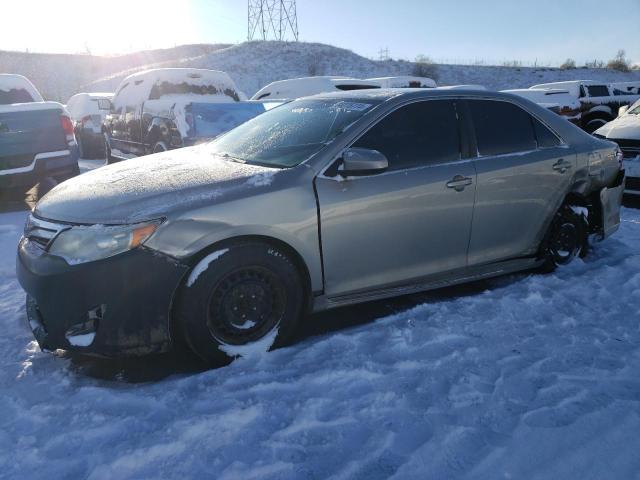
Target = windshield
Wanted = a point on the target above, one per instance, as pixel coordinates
(292, 133)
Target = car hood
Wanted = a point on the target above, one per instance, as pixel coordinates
(150, 187)
(626, 127)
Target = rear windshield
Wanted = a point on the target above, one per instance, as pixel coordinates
(160, 89)
(292, 133)
(15, 95)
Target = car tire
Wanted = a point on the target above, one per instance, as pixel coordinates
(81, 148)
(237, 299)
(566, 239)
(594, 124)
(107, 149)
(159, 147)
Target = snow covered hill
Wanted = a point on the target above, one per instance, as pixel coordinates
(525, 377)
(255, 64)
(59, 76)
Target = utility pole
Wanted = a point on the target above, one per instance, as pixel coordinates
(272, 20)
(383, 54)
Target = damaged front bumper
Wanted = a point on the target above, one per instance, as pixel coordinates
(119, 306)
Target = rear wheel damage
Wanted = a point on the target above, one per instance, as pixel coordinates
(567, 237)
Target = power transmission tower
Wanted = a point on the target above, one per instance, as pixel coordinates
(272, 20)
(383, 54)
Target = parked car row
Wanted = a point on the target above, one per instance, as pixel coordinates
(163, 109)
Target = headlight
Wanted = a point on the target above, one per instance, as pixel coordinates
(86, 244)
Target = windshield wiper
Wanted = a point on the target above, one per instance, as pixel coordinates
(227, 156)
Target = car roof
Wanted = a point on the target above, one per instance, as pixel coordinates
(385, 94)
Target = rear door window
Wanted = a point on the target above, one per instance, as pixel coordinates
(501, 127)
(545, 137)
(418, 134)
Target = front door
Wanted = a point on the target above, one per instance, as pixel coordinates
(408, 223)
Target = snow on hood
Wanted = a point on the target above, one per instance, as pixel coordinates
(149, 187)
(626, 127)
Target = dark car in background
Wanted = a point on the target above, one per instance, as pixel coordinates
(37, 142)
(158, 110)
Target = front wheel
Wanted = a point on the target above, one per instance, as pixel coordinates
(594, 124)
(107, 151)
(239, 301)
(159, 147)
(567, 238)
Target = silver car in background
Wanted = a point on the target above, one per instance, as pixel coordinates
(323, 202)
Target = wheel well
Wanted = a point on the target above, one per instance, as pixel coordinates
(591, 202)
(599, 115)
(287, 249)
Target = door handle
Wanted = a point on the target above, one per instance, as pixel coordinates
(561, 166)
(458, 183)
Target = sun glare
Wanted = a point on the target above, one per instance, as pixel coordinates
(86, 26)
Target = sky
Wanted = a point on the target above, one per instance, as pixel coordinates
(460, 31)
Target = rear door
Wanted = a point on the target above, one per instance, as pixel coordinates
(410, 222)
(524, 170)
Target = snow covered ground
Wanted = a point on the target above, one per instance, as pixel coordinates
(525, 377)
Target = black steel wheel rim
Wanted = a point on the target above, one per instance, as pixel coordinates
(564, 243)
(246, 305)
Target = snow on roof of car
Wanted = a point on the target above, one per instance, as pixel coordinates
(566, 84)
(136, 88)
(404, 81)
(82, 104)
(11, 81)
(303, 87)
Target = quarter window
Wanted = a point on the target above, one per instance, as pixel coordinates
(418, 134)
(546, 138)
(501, 127)
(598, 90)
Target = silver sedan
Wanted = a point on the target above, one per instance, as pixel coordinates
(322, 202)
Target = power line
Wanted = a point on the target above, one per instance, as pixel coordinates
(272, 20)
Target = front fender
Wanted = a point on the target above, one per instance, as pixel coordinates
(186, 238)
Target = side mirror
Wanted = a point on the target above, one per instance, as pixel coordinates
(362, 161)
(623, 110)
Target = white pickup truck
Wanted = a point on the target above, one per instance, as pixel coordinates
(36, 137)
(599, 102)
